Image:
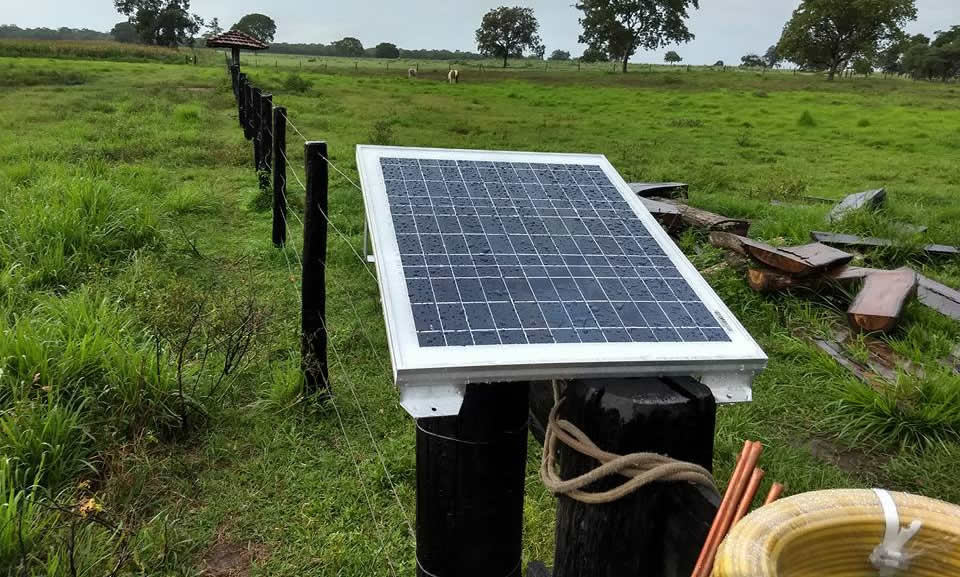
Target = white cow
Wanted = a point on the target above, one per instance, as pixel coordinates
(412, 73)
(453, 77)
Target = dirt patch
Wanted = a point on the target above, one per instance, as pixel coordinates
(847, 460)
(232, 559)
(197, 88)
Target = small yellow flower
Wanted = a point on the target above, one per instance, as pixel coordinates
(89, 507)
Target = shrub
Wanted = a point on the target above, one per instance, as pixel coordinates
(296, 83)
(382, 133)
(806, 119)
(863, 123)
(187, 113)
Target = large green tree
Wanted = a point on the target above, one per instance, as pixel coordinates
(621, 27)
(125, 32)
(828, 34)
(507, 32)
(348, 46)
(161, 22)
(772, 58)
(386, 50)
(260, 26)
(672, 58)
(213, 28)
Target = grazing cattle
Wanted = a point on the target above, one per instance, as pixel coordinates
(453, 77)
(412, 73)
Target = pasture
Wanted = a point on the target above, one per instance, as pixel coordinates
(134, 241)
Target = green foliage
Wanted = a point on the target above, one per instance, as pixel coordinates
(594, 54)
(85, 49)
(620, 28)
(348, 46)
(827, 35)
(672, 57)
(296, 83)
(772, 58)
(260, 26)
(125, 33)
(806, 119)
(386, 50)
(382, 133)
(559, 55)
(752, 61)
(161, 22)
(507, 32)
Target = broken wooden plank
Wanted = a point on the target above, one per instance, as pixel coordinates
(870, 199)
(836, 353)
(667, 189)
(880, 302)
(706, 220)
(853, 241)
(939, 297)
(793, 260)
(820, 255)
(667, 215)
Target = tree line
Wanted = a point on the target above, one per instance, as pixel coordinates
(10, 31)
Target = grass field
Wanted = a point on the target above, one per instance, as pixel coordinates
(134, 243)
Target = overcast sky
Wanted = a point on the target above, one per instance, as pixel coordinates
(724, 29)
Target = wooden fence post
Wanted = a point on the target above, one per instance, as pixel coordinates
(660, 528)
(471, 472)
(242, 100)
(248, 111)
(266, 141)
(279, 176)
(255, 109)
(313, 350)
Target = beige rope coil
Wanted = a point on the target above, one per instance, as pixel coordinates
(639, 468)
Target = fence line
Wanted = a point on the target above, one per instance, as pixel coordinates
(263, 128)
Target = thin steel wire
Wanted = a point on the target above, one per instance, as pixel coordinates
(363, 331)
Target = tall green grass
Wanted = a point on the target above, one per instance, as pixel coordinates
(92, 49)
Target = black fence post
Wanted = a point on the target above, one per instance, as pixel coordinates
(242, 100)
(266, 141)
(248, 111)
(255, 109)
(313, 350)
(471, 472)
(279, 176)
(660, 528)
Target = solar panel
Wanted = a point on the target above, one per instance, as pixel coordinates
(512, 266)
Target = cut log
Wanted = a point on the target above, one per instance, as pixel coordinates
(939, 297)
(794, 260)
(728, 241)
(764, 280)
(835, 351)
(869, 199)
(666, 214)
(881, 300)
(850, 273)
(853, 241)
(706, 220)
(666, 189)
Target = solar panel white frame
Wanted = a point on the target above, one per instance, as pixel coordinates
(432, 378)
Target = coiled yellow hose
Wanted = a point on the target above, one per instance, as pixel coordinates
(833, 533)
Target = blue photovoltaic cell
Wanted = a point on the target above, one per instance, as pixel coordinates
(498, 253)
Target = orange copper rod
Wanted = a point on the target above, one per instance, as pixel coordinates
(775, 491)
(748, 495)
(727, 498)
(727, 519)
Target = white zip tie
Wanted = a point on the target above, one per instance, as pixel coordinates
(889, 557)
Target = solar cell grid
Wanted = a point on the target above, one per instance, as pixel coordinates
(517, 253)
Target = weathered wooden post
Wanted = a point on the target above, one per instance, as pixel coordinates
(659, 528)
(279, 176)
(242, 100)
(266, 141)
(470, 484)
(256, 108)
(313, 349)
(248, 108)
(235, 53)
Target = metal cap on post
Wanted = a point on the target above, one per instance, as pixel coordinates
(313, 351)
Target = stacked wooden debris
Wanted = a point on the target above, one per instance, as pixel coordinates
(877, 306)
(884, 293)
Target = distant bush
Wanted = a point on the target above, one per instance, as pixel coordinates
(761, 94)
(863, 123)
(745, 138)
(296, 83)
(806, 119)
